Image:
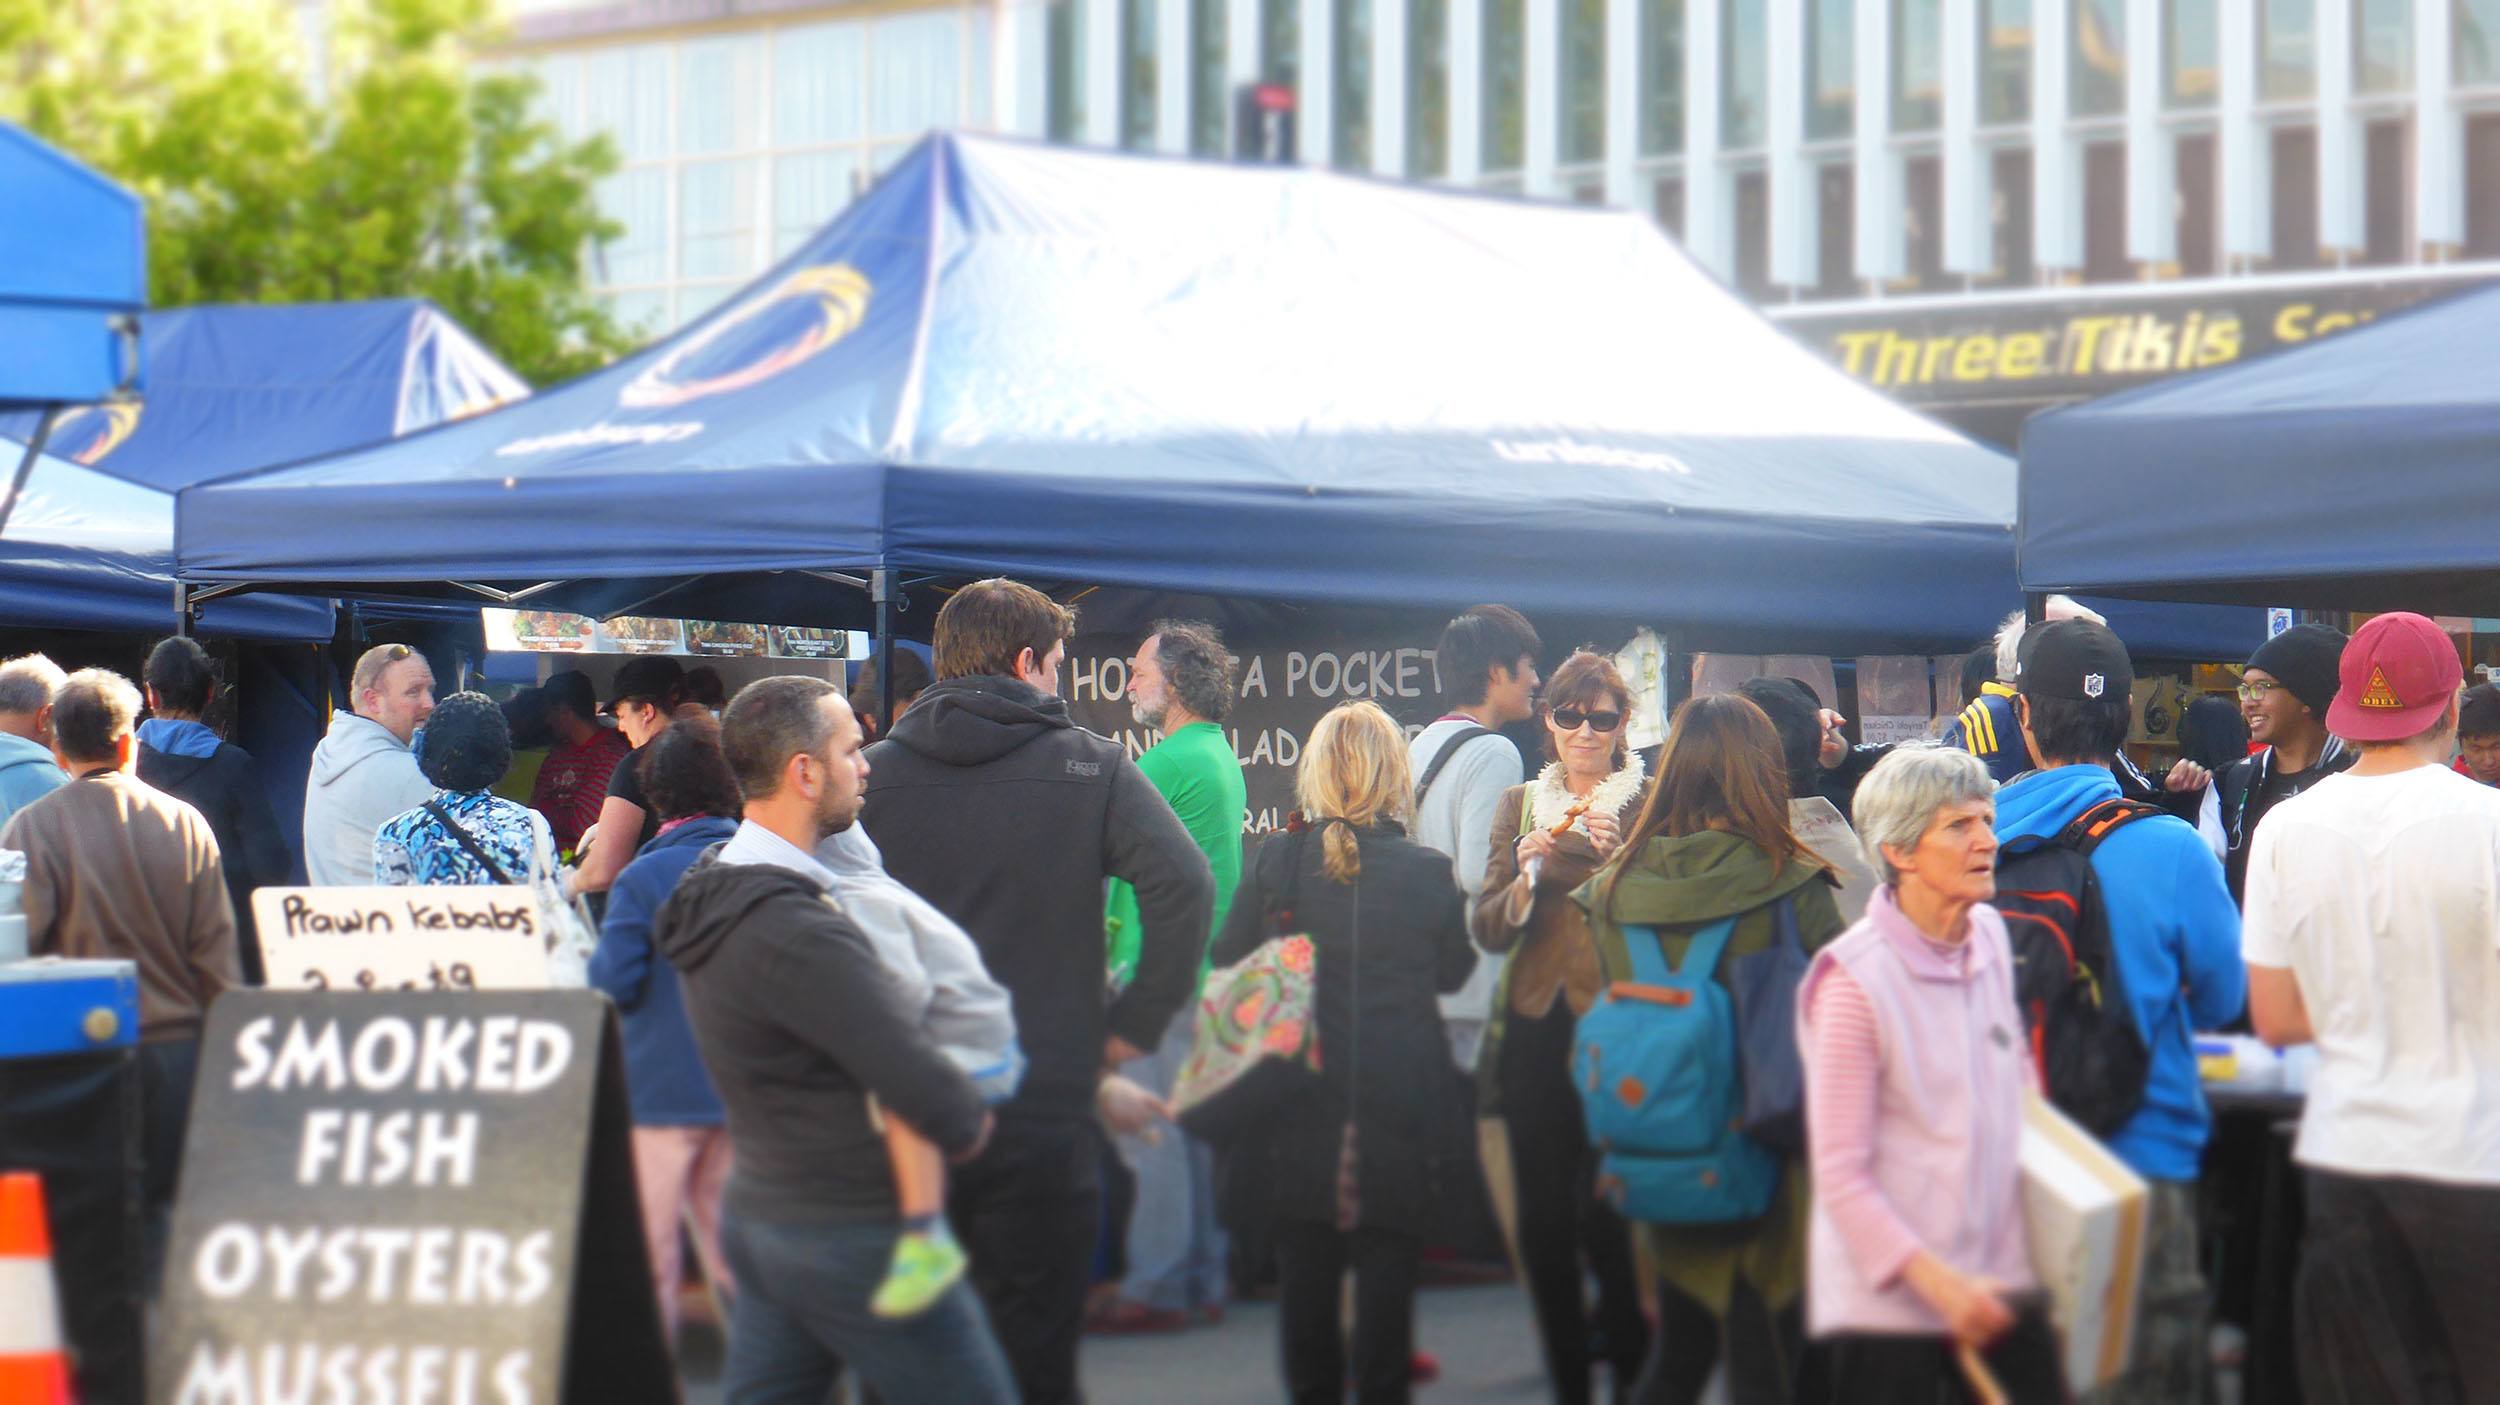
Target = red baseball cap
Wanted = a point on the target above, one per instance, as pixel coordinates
(2398, 672)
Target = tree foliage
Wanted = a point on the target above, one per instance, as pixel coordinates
(352, 150)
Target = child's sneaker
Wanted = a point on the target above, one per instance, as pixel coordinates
(925, 1265)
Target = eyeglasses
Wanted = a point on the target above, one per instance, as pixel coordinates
(2258, 692)
(1568, 719)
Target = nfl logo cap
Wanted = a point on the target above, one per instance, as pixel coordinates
(2074, 659)
(2398, 673)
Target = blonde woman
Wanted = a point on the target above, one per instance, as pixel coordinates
(1391, 931)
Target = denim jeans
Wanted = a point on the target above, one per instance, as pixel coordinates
(1175, 1246)
(802, 1315)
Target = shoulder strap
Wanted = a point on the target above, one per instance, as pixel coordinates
(1441, 759)
(1648, 955)
(460, 834)
(2085, 833)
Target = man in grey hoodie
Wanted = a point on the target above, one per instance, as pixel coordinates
(27, 770)
(365, 771)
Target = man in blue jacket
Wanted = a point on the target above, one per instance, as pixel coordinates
(2174, 933)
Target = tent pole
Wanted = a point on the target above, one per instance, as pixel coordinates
(182, 607)
(881, 590)
(26, 463)
(2035, 607)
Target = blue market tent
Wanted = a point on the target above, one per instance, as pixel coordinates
(1148, 373)
(73, 270)
(89, 544)
(2359, 472)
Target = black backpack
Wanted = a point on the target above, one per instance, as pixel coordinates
(2091, 1055)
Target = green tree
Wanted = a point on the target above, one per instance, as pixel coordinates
(364, 156)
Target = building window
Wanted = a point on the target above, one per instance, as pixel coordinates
(2482, 186)
(1831, 71)
(1139, 82)
(1207, 50)
(1505, 87)
(2192, 54)
(2382, 50)
(2005, 61)
(809, 189)
(1917, 65)
(1280, 42)
(1922, 225)
(2287, 50)
(2388, 186)
(638, 202)
(819, 74)
(2009, 219)
(1744, 73)
(717, 108)
(2097, 73)
(625, 95)
(1350, 52)
(1065, 80)
(920, 74)
(716, 217)
(1753, 235)
(1835, 191)
(1662, 80)
(2475, 33)
(1427, 88)
(2105, 213)
(2295, 217)
(2200, 232)
(1581, 103)
(1667, 202)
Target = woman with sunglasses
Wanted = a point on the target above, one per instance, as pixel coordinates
(1549, 836)
(1712, 842)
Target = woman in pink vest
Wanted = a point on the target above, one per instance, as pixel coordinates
(1918, 1283)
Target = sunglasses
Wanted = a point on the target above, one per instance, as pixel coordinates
(1568, 719)
(2256, 692)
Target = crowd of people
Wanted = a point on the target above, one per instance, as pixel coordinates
(903, 993)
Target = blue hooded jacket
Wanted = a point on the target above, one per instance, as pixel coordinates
(664, 1076)
(2176, 936)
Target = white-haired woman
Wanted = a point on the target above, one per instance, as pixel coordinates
(1390, 927)
(1916, 1069)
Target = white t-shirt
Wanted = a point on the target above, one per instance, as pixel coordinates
(2382, 895)
(1456, 818)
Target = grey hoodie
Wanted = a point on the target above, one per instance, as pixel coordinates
(362, 778)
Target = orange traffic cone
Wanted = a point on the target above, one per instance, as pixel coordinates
(32, 1369)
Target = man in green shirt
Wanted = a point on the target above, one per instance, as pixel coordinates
(1181, 683)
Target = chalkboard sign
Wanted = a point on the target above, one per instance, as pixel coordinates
(409, 1197)
(450, 938)
(1283, 692)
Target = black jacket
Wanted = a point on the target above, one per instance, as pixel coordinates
(225, 788)
(2254, 776)
(990, 803)
(1408, 1105)
(798, 1022)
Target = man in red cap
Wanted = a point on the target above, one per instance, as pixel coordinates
(2372, 926)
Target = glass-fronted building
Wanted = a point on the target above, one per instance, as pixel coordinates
(1870, 170)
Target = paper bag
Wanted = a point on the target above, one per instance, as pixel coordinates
(2086, 1215)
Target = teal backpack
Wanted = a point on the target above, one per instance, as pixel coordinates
(1662, 1090)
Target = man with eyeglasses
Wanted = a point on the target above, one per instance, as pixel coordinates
(2284, 693)
(364, 772)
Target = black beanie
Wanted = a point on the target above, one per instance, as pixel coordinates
(2306, 659)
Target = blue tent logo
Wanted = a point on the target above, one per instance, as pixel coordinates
(762, 336)
(88, 433)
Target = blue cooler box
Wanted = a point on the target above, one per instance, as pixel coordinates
(50, 1006)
